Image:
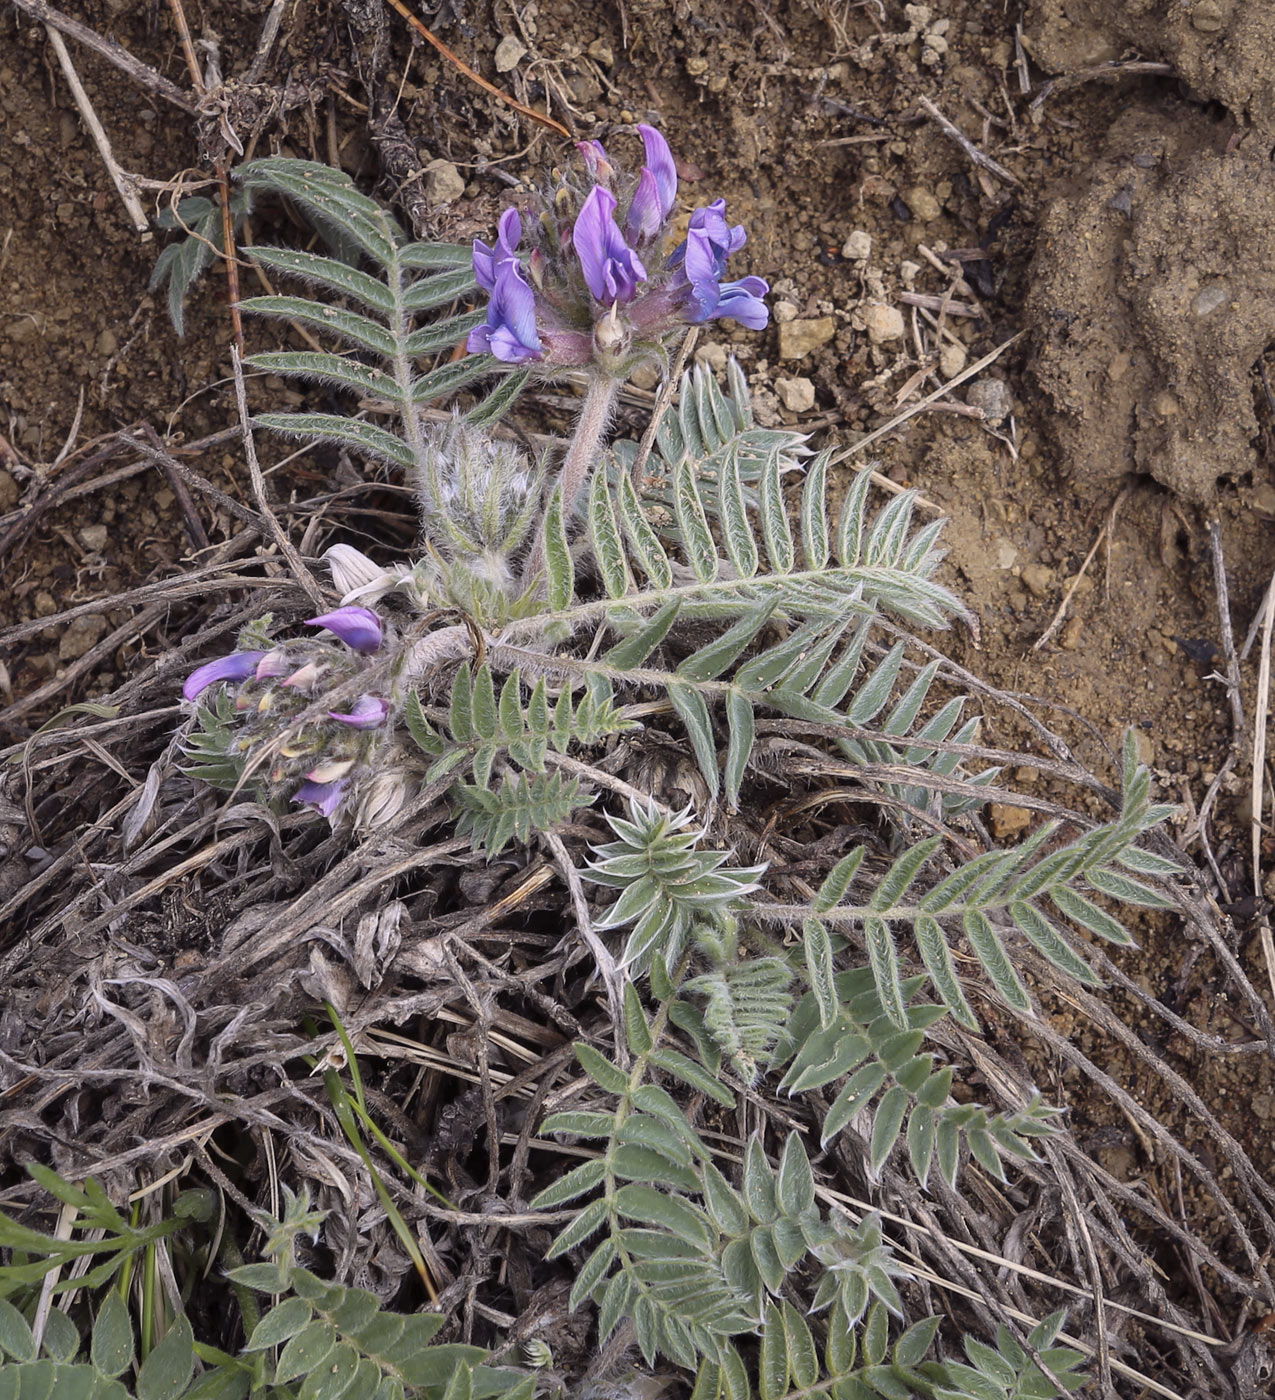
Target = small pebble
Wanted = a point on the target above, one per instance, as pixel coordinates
(784, 311)
(1007, 820)
(712, 355)
(107, 343)
(509, 53)
(1207, 17)
(601, 52)
(1038, 578)
(1209, 298)
(952, 359)
(81, 635)
(1070, 639)
(993, 397)
(93, 538)
(882, 322)
(799, 338)
(646, 376)
(1004, 553)
(923, 204)
(796, 395)
(1262, 500)
(444, 184)
(857, 246)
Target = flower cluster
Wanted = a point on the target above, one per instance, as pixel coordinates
(283, 733)
(596, 287)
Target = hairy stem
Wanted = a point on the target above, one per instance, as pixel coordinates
(591, 427)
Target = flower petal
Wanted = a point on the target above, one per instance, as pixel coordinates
(272, 665)
(330, 770)
(326, 797)
(611, 268)
(368, 712)
(238, 666)
(644, 219)
(352, 571)
(596, 160)
(741, 301)
(359, 628)
(303, 677)
(510, 329)
(488, 260)
(659, 161)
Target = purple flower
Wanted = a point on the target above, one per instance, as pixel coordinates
(325, 797)
(659, 161)
(742, 301)
(238, 666)
(359, 628)
(611, 268)
(368, 712)
(509, 333)
(488, 261)
(702, 258)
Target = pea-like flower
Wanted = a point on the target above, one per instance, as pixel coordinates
(611, 268)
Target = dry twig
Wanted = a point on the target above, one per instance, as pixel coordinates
(977, 155)
(123, 185)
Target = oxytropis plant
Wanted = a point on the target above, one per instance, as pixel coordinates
(553, 606)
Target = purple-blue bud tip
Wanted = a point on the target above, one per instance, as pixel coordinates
(367, 712)
(359, 628)
(238, 666)
(659, 161)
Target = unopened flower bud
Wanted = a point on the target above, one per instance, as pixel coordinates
(359, 628)
(382, 799)
(354, 575)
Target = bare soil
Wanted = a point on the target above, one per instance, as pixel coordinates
(1131, 251)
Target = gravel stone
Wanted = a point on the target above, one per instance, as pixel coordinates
(798, 338)
(1038, 578)
(883, 322)
(993, 397)
(509, 53)
(712, 355)
(951, 360)
(81, 635)
(922, 204)
(796, 395)
(857, 246)
(444, 184)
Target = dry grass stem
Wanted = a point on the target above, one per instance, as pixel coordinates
(1104, 534)
(977, 155)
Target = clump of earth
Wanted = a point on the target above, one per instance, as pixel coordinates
(1153, 295)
